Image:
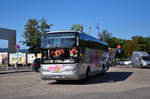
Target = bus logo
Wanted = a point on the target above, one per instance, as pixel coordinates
(56, 68)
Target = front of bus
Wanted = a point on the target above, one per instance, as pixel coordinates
(59, 56)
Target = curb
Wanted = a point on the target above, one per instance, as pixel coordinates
(15, 71)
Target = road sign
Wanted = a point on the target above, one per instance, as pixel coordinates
(119, 50)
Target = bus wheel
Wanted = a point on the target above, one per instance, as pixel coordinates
(87, 73)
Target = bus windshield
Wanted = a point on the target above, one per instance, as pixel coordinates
(60, 40)
(59, 55)
(59, 48)
(146, 58)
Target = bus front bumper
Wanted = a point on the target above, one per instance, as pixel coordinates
(60, 76)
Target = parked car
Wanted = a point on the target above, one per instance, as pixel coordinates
(36, 65)
(140, 59)
(124, 62)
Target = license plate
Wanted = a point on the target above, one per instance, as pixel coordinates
(56, 76)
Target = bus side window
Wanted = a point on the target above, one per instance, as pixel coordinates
(82, 50)
(81, 54)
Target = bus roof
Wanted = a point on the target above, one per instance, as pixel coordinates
(87, 37)
(82, 35)
(60, 31)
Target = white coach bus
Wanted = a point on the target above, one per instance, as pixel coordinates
(69, 55)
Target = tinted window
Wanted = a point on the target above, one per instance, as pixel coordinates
(146, 58)
(91, 44)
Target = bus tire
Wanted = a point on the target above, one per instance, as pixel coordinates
(87, 73)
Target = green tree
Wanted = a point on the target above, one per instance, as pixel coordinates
(144, 44)
(77, 27)
(114, 42)
(148, 44)
(148, 39)
(130, 46)
(34, 30)
(138, 43)
(105, 35)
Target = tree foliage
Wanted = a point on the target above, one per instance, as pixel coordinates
(137, 43)
(114, 41)
(105, 35)
(77, 27)
(130, 46)
(34, 30)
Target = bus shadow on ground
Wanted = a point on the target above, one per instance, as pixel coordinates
(109, 77)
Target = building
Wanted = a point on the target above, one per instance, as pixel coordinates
(10, 35)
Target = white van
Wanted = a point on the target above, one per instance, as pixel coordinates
(140, 59)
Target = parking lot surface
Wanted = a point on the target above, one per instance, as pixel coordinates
(118, 83)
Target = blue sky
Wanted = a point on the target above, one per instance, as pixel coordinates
(124, 18)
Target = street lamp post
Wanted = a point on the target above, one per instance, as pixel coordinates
(17, 48)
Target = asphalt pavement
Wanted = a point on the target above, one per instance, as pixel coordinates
(118, 83)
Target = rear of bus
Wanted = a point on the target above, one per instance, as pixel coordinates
(59, 56)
